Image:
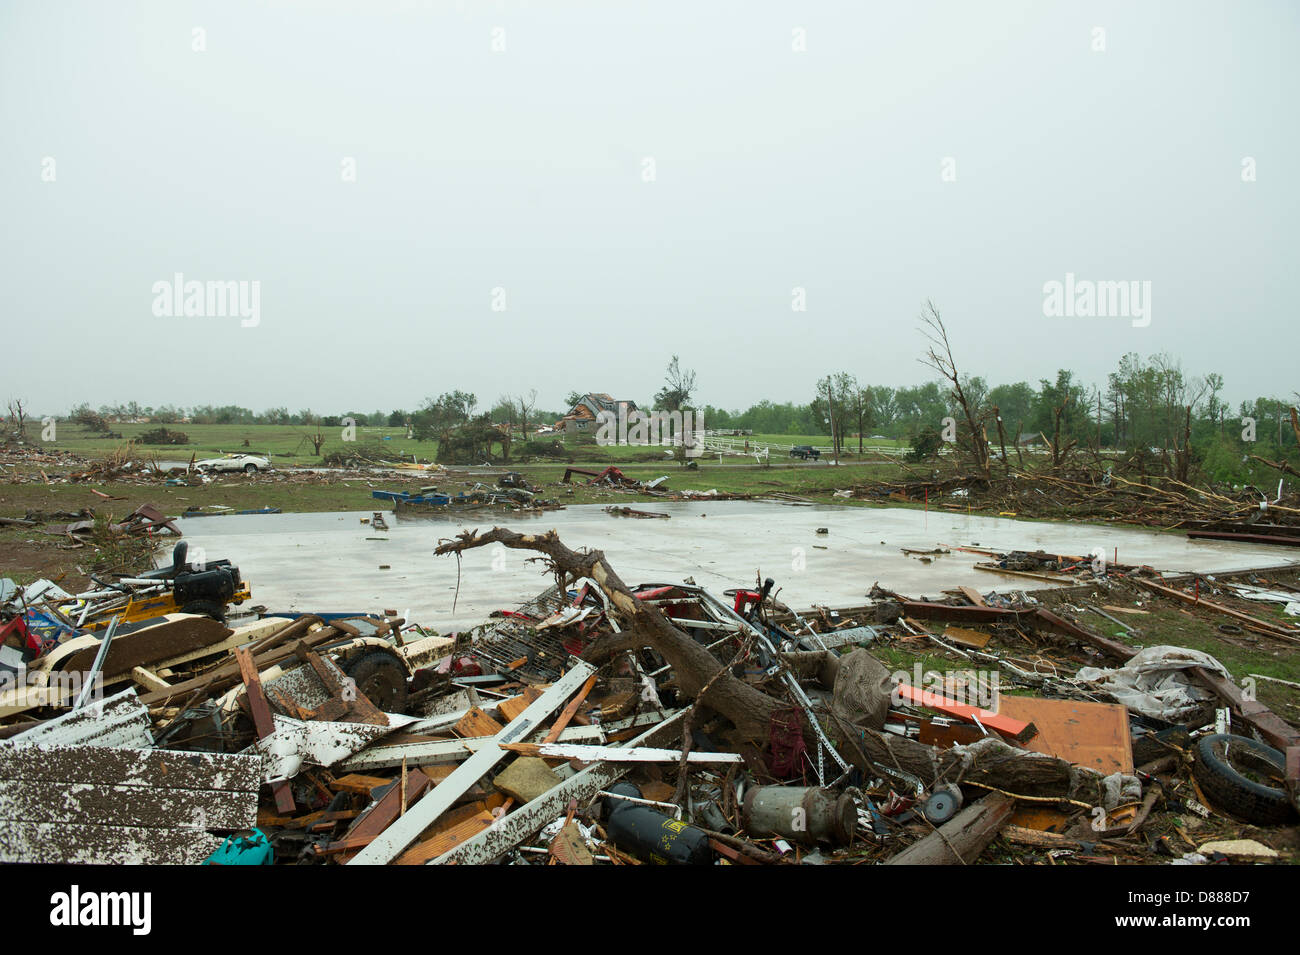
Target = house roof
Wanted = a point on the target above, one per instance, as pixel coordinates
(591, 404)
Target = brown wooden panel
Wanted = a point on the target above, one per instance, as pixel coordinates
(477, 723)
(1088, 734)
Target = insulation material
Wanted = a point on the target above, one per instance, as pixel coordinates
(1154, 682)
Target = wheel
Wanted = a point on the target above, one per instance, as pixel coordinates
(250, 468)
(1236, 773)
(206, 608)
(381, 678)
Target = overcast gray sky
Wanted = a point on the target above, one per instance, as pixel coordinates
(524, 169)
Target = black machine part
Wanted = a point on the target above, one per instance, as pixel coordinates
(652, 835)
(217, 582)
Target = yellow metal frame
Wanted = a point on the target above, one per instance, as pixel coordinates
(154, 605)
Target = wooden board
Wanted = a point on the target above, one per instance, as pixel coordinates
(359, 784)
(385, 812)
(478, 723)
(1088, 734)
(398, 837)
(509, 709)
(965, 637)
(423, 852)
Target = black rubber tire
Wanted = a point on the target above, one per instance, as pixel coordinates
(1231, 790)
(206, 608)
(381, 678)
(250, 468)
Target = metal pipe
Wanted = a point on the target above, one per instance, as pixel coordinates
(95, 667)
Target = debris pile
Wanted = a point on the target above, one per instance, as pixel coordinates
(603, 723)
(1105, 495)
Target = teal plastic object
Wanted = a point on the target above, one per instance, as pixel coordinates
(250, 847)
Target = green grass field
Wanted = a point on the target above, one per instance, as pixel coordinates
(285, 444)
(290, 444)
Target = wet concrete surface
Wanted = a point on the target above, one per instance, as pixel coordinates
(325, 562)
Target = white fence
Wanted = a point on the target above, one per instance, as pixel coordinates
(716, 442)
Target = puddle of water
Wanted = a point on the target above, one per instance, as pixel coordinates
(325, 561)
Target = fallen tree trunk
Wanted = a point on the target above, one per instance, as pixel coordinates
(749, 709)
(961, 839)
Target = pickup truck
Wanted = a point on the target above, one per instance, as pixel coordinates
(804, 452)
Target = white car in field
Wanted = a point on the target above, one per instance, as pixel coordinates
(248, 463)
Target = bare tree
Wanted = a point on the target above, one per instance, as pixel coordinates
(316, 436)
(939, 357)
(1059, 450)
(526, 405)
(18, 418)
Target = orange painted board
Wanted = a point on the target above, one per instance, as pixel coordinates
(1007, 725)
(1095, 735)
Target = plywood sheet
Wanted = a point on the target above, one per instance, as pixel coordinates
(1088, 734)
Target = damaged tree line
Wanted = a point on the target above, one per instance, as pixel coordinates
(1069, 477)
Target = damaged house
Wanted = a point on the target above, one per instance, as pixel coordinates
(582, 416)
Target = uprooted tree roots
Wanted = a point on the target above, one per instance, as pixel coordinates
(749, 709)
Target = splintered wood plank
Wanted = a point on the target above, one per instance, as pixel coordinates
(1095, 735)
(263, 719)
(965, 637)
(512, 707)
(569, 848)
(148, 679)
(973, 595)
(359, 784)
(422, 852)
(385, 812)
(399, 836)
(265, 818)
(478, 723)
(1039, 838)
(439, 772)
(567, 713)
